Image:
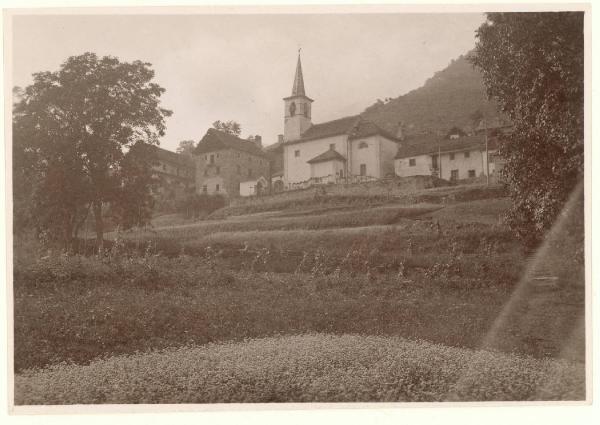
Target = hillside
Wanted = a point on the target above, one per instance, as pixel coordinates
(447, 99)
(417, 298)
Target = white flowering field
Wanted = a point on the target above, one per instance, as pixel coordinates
(305, 368)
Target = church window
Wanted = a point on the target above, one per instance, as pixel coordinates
(293, 109)
(297, 153)
(363, 145)
(412, 162)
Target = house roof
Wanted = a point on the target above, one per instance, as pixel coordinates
(172, 157)
(354, 126)
(215, 140)
(425, 144)
(329, 155)
(278, 146)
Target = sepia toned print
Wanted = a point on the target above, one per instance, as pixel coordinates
(264, 208)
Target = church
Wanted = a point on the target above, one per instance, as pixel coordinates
(345, 150)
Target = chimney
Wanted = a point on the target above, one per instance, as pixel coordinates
(258, 140)
(280, 138)
(400, 131)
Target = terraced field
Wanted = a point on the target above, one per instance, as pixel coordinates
(395, 302)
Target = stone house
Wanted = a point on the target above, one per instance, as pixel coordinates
(275, 151)
(348, 149)
(175, 174)
(223, 161)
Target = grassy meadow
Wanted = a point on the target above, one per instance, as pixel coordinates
(398, 301)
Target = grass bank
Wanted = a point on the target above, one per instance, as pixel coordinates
(337, 219)
(329, 197)
(74, 308)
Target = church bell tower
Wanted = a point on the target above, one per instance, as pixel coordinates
(297, 108)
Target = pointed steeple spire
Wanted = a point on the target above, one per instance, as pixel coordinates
(298, 88)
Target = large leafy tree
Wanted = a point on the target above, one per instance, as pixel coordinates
(186, 147)
(72, 130)
(231, 127)
(533, 64)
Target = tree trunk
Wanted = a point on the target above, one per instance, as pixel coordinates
(99, 225)
(68, 237)
(80, 221)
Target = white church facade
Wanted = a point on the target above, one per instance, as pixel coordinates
(348, 149)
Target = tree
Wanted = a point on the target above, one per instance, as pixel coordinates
(455, 131)
(476, 117)
(134, 202)
(72, 129)
(230, 127)
(186, 147)
(533, 64)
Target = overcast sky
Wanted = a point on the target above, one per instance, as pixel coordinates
(239, 67)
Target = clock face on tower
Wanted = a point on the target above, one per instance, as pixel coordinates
(293, 109)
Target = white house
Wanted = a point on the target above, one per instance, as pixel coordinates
(253, 187)
(343, 150)
(451, 158)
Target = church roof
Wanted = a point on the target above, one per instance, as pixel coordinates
(430, 144)
(329, 155)
(365, 128)
(354, 126)
(215, 140)
(298, 87)
(329, 129)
